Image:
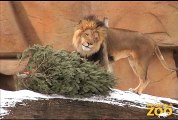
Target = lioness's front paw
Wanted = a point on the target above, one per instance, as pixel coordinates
(131, 89)
(134, 91)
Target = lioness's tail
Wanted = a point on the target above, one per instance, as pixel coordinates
(162, 60)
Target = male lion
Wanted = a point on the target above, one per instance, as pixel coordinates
(94, 40)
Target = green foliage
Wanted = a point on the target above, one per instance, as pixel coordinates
(60, 72)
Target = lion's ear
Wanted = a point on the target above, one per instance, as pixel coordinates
(79, 21)
(106, 22)
(78, 26)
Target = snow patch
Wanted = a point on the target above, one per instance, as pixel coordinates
(164, 115)
(10, 98)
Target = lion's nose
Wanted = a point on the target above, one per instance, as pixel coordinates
(90, 44)
(85, 44)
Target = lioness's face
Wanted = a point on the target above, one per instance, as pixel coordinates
(90, 40)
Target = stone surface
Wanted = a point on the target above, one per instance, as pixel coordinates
(12, 67)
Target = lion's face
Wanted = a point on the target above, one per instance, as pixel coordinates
(89, 35)
(88, 42)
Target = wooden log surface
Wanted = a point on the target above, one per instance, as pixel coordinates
(26, 104)
(59, 108)
(10, 55)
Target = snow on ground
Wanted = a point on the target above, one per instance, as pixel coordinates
(116, 97)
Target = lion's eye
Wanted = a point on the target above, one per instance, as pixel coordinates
(96, 40)
(86, 34)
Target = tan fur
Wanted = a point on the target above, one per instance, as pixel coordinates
(119, 43)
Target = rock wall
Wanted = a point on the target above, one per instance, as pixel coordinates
(28, 23)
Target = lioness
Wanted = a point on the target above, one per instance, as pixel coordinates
(94, 40)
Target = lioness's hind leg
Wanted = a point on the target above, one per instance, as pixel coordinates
(132, 64)
(143, 65)
(140, 69)
(141, 88)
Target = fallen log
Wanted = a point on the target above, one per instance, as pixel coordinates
(10, 55)
(118, 105)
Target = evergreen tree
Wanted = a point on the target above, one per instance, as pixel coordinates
(61, 72)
